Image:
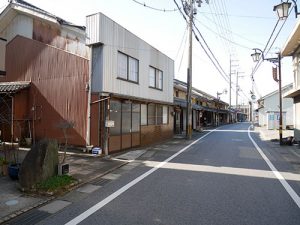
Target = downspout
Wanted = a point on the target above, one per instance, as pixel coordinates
(88, 125)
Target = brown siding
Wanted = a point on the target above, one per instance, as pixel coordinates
(156, 133)
(58, 88)
(95, 121)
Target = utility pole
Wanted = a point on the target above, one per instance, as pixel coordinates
(190, 10)
(237, 87)
(230, 83)
(189, 73)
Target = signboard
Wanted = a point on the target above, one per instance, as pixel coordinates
(2, 56)
(109, 123)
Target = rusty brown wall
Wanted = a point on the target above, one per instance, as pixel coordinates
(58, 88)
(95, 121)
(20, 112)
(156, 133)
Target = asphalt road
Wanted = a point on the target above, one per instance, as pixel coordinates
(220, 179)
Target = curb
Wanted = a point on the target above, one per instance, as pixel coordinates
(24, 210)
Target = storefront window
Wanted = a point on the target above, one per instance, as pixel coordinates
(115, 115)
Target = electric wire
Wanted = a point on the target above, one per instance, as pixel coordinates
(230, 41)
(154, 8)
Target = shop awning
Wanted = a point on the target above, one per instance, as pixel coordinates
(13, 87)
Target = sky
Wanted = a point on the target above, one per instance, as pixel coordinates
(230, 28)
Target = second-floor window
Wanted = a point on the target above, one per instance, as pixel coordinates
(155, 78)
(128, 68)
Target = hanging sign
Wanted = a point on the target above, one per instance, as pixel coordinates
(274, 72)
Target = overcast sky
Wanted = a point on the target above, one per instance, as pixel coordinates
(231, 28)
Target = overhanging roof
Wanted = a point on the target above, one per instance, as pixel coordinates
(13, 87)
(292, 93)
(292, 42)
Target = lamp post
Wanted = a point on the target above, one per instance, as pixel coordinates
(256, 57)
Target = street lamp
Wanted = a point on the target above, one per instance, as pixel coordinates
(282, 9)
(277, 61)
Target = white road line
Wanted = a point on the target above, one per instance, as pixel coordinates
(114, 195)
(278, 175)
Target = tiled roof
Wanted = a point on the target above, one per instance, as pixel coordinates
(13, 87)
(33, 7)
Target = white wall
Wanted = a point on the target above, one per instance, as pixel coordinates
(101, 29)
(271, 103)
(20, 25)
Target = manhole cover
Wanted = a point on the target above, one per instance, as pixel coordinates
(11, 202)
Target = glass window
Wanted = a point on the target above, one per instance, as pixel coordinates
(126, 118)
(165, 114)
(159, 114)
(115, 115)
(133, 69)
(155, 78)
(122, 65)
(151, 114)
(151, 77)
(135, 117)
(159, 79)
(143, 114)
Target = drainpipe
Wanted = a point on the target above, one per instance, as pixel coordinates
(88, 124)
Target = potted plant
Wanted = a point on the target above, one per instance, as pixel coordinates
(14, 167)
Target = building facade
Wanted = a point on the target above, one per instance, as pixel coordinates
(291, 48)
(131, 88)
(268, 109)
(207, 111)
(44, 88)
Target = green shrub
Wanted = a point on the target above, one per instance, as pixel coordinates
(56, 182)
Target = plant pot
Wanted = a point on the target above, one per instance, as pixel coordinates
(13, 170)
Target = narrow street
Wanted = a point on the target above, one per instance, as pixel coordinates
(220, 179)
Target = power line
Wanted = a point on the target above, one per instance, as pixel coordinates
(154, 8)
(238, 35)
(232, 42)
(240, 16)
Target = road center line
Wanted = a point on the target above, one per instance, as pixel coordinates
(278, 175)
(114, 195)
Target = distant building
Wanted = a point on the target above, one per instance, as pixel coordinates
(268, 109)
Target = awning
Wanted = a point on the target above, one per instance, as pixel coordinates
(292, 93)
(13, 87)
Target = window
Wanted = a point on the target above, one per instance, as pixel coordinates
(155, 78)
(151, 114)
(128, 68)
(165, 114)
(152, 77)
(143, 114)
(157, 114)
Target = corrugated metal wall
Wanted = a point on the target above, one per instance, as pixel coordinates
(101, 29)
(58, 89)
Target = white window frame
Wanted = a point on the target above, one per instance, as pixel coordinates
(132, 68)
(158, 78)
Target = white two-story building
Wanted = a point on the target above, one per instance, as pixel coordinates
(131, 87)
